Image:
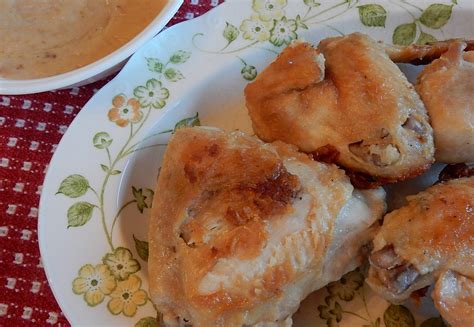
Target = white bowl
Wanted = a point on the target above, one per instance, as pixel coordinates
(98, 69)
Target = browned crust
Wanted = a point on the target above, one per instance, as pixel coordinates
(289, 71)
(418, 230)
(329, 154)
(206, 174)
(291, 100)
(455, 171)
(364, 181)
(422, 54)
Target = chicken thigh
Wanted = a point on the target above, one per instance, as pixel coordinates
(242, 231)
(431, 239)
(348, 100)
(446, 86)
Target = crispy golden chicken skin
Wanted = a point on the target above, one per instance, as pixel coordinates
(454, 298)
(348, 96)
(430, 240)
(422, 54)
(241, 231)
(446, 86)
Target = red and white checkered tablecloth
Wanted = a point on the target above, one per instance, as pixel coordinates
(31, 126)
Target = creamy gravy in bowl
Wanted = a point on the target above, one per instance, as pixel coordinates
(41, 38)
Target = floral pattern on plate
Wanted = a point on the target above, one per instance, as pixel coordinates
(270, 23)
(114, 281)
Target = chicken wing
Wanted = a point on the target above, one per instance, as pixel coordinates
(446, 86)
(241, 231)
(431, 239)
(345, 97)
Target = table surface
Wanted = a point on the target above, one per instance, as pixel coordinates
(31, 126)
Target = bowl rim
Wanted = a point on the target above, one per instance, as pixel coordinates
(104, 64)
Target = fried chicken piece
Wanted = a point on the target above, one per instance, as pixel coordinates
(430, 240)
(454, 171)
(347, 95)
(241, 231)
(454, 298)
(422, 54)
(446, 86)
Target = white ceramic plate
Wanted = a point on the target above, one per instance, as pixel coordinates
(98, 69)
(95, 200)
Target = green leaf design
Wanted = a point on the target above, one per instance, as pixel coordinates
(454, 2)
(140, 198)
(79, 214)
(152, 94)
(180, 57)
(398, 316)
(142, 248)
(331, 312)
(345, 288)
(311, 3)
(404, 34)
(372, 15)
(102, 140)
(154, 65)
(425, 38)
(249, 72)
(337, 311)
(104, 167)
(115, 172)
(173, 75)
(433, 322)
(150, 196)
(436, 15)
(324, 310)
(188, 122)
(300, 24)
(147, 322)
(230, 32)
(73, 186)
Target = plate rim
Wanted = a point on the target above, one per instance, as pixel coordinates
(97, 69)
(77, 120)
(43, 198)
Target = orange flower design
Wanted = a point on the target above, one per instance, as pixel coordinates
(124, 112)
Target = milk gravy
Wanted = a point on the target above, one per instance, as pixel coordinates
(40, 38)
